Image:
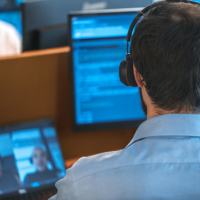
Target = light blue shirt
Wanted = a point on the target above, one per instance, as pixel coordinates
(161, 162)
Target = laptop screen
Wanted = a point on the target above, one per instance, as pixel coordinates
(30, 156)
(98, 42)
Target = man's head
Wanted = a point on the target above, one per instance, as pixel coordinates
(166, 54)
(39, 159)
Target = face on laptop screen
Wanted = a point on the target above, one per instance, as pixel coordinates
(30, 157)
(99, 45)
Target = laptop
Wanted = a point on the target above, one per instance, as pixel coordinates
(30, 160)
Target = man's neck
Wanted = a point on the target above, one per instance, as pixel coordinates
(153, 112)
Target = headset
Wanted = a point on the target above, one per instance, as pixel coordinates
(31, 158)
(126, 73)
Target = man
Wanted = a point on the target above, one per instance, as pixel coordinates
(42, 174)
(8, 180)
(162, 160)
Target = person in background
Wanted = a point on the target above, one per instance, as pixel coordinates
(10, 40)
(8, 180)
(162, 160)
(39, 160)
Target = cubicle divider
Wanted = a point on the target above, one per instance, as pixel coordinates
(36, 85)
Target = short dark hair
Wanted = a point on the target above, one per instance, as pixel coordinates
(166, 52)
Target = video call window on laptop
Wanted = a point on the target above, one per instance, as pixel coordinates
(30, 157)
(98, 45)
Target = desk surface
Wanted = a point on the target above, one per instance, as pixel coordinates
(36, 53)
(70, 162)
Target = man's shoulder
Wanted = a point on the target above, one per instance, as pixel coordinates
(87, 166)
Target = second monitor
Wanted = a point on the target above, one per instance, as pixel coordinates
(98, 43)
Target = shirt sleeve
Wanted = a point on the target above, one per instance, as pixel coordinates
(65, 188)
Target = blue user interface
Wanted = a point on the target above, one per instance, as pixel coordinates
(29, 157)
(99, 45)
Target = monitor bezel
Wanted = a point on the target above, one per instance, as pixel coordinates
(28, 125)
(101, 125)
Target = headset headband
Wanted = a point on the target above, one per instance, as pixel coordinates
(126, 73)
(145, 10)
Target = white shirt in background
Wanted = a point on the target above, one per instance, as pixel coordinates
(10, 40)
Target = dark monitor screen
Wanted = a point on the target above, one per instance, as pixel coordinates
(98, 43)
(44, 22)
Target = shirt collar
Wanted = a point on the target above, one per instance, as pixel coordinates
(179, 125)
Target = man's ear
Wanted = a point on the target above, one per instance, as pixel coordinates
(138, 77)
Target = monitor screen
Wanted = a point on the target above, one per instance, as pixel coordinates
(30, 156)
(98, 43)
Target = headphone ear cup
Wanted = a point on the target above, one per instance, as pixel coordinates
(126, 73)
(31, 160)
(122, 72)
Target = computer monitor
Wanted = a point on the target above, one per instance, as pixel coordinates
(44, 22)
(44, 17)
(98, 45)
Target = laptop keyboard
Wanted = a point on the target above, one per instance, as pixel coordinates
(44, 194)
